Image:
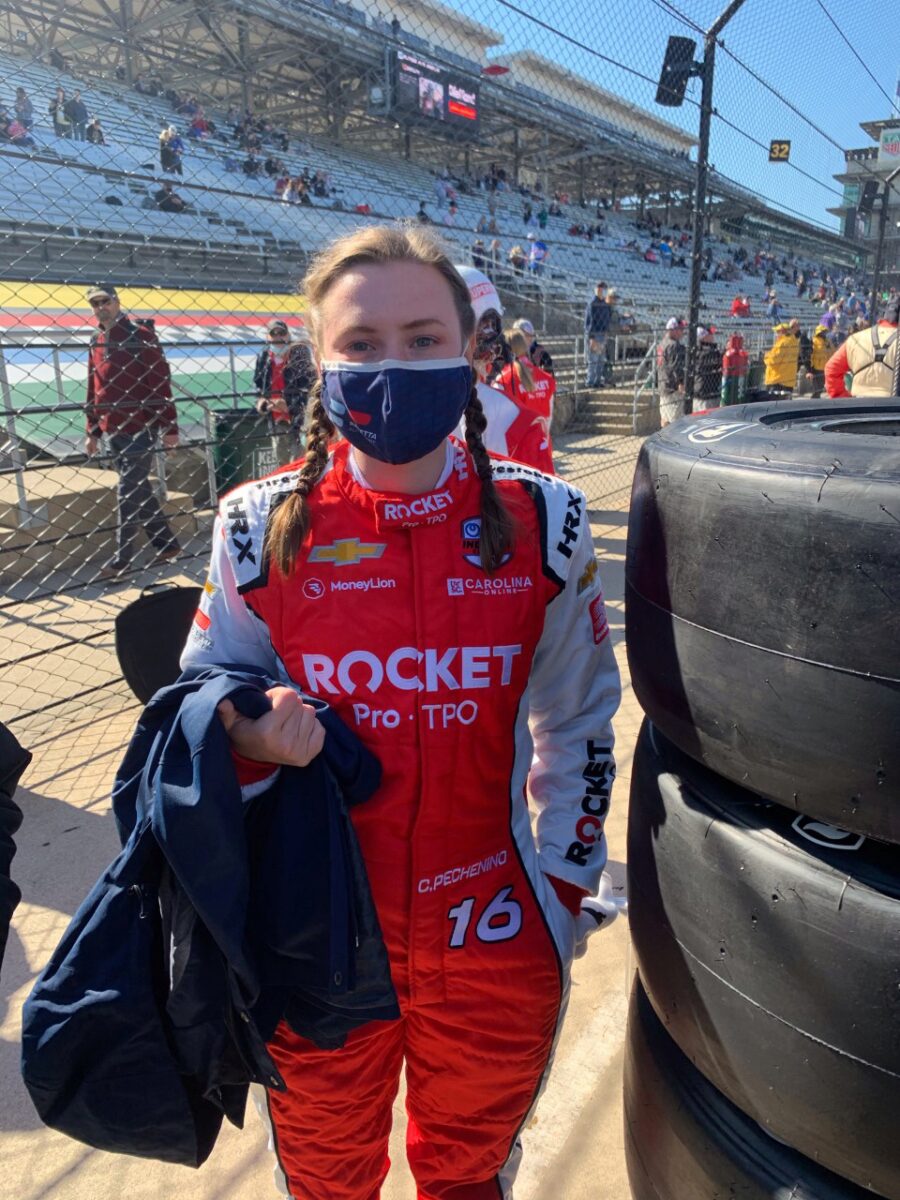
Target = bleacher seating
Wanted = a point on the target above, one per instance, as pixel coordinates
(237, 231)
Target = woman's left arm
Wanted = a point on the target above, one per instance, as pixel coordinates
(574, 693)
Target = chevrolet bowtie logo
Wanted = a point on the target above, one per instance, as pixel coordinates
(346, 551)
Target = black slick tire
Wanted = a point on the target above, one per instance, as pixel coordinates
(763, 601)
(686, 1141)
(769, 945)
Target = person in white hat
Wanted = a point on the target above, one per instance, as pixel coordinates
(512, 429)
(538, 354)
(671, 363)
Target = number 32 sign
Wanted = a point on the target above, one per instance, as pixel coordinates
(779, 151)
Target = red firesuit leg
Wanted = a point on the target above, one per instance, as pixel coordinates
(333, 1123)
(475, 1060)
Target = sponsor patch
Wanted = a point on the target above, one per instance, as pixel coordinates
(599, 624)
(420, 510)
(490, 585)
(470, 530)
(588, 575)
(313, 589)
(210, 588)
(202, 620)
(346, 552)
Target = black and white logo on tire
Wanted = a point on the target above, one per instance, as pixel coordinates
(823, 834)
(716, 431)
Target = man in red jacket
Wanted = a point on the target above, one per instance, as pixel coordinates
(129, 399)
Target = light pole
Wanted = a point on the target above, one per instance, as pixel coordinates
(705, 70)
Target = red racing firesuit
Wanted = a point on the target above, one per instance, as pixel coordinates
(514, 430)
(476, 692)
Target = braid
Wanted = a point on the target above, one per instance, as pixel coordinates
(290, 520)
(496, 525)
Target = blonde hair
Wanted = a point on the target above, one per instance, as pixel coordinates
(518, 344)
(373, 245)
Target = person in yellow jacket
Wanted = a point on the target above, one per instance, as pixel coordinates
(822, 350)
(782, 360)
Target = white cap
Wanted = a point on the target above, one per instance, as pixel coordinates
(674, 323)
(482, 292)
(525, 325)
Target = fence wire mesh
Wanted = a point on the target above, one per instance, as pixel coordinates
(190, 157)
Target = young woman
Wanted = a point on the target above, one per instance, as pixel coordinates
(511, 428)
(533, 390)
(448, 606)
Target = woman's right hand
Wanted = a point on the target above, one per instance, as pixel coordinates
(289, 734)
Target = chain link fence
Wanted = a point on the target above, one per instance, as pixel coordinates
(191, 157)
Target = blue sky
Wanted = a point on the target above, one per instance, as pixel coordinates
(790, 45)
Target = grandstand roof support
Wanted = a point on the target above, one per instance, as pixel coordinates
(706, 72)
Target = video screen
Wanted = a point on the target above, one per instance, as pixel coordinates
(425, 90)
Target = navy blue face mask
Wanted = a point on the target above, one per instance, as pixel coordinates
(395, 410)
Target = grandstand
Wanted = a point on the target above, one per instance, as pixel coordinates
(547, 127)
(324, 77)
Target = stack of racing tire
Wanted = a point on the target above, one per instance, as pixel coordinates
(763, 633)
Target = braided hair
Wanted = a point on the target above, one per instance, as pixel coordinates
(289, 523)
(290, 520)
(496, 537)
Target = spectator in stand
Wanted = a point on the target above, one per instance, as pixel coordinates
(199, 127)
(129, 400)
(543, 217)
(251, 165)
(76, 111)
(62, 126)
(273, 166)
(320, 185)
(775, 312)
(12, 130)
(708, 391)
(168, 200)
(671, 363)
(494, 259)
(740, 307)
(189, 107)
(666, 254)
(94, 133)
(538, 253)
(538, 355)
(819, 355)
(451, 216)
(517, 260)
(282, 183)
(302, 190)
(782, 360)
(24, 108)
(283, 377)
(171, 150)
(422, 216)
(596, 331)
(841, 321)
(289, 191)
(869, 356)
(478, 254)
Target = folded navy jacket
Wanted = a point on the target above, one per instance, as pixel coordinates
(220, 917)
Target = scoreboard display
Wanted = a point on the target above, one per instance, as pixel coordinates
(427, 93)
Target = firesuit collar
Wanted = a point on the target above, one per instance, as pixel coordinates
(452, 494)
(395, 410)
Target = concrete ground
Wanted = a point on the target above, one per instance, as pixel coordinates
(573, 1144)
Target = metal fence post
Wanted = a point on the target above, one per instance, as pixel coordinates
(234, 386)
(26, 515)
